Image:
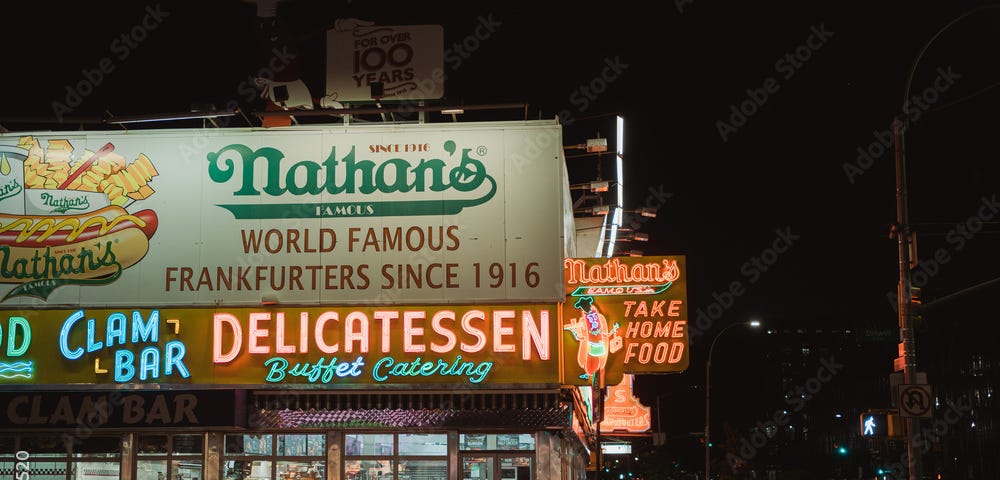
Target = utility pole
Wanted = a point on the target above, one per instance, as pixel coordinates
(904, 240)
(904, 295)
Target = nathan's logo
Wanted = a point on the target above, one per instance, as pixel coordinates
(10, 189)
(351, 176)
(617, 278)
(65, 203)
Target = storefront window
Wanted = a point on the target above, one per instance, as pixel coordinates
(169, 457)
(368, 444)
(94, 458)
(513, 441)
(423, 469)
(407, 456)
(248, 444)
(42, 457)
(380, 469)
(516, 468)
(423, 444)
(295, 456)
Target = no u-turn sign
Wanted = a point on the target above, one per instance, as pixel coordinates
(915, 401)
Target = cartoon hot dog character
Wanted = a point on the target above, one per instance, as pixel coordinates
(73, 226)
(594, 335)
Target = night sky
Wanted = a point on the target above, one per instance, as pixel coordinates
(816, 83)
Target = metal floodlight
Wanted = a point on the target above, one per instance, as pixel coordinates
(635, 253)
(452, 111)
(647, 212)
(597, 145)
(599, 186)
(640, 237)
(598, 210)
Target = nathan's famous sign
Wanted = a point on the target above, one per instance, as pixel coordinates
(282, 347)
(624, 315)
(623, 411)
(347, 215)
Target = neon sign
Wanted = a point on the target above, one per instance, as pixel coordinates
(126, 364)
(624, 315)
(474, 345)
(623, 411)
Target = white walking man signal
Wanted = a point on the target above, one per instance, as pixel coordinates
(869, 426)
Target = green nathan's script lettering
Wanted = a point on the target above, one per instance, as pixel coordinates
(46, 265)
(346, 175)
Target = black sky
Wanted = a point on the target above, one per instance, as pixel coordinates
(681, 70)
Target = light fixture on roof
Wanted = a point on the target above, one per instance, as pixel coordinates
(598, 186)
(595, 186)
(593, 145)
(644, 212)
(597, 145)
(596, 210)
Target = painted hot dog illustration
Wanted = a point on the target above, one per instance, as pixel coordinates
(70, 223)
(67, 246)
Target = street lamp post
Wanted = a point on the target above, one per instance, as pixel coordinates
(904, 244)
(708, 396)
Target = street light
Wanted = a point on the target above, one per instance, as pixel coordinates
(708, 396)
(905, 242)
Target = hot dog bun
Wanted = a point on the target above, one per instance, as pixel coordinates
(55, 230)
(89, 245)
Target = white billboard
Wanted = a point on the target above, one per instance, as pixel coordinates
(407, 60)
(420, 213)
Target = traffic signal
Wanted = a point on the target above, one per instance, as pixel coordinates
(874, 425)
(841, 450)
(880, 424)
(916, 308)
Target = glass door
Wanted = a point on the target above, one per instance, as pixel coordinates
(478, 467)
(490, 467)
(515, 468)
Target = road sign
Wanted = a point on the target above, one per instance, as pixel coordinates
(915, 401)
(896, 379)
